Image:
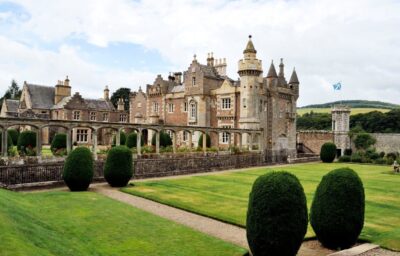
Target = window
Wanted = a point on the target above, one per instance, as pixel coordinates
(92, 116)
(225, 135)
(170, 133)
(170, 107)
(226, 103)
(76, 115)
(185, 136)
(123, 118)
(105, 117)
(139, 105)
(185, 107)
(82, 135)
(193, 81)
(193, 110)
(244, 103)
(155, 107)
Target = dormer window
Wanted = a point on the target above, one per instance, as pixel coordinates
(105, 117)
(76, 115)
(123, 118)
(92, 116)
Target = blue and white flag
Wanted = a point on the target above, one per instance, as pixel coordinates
(337, 87)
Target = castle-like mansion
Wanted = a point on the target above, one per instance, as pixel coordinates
(204, 95)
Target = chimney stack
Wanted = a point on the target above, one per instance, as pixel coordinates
(121, 104)
(106, 93)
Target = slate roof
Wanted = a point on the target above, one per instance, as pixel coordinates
(272, 71)
(41, 96)
(62, 103)
(178, 88)
(250, 47)
(293, 78)
(210, 71)
(12, 105)
(99, 104)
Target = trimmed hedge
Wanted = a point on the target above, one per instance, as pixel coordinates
(165, 140)
(78, 169)
(131, 140)
(14, 135)
(208, 142)
(26, 139)
(277, 215)
(344, 159)
(328, 152)
(59, 141)
(337, 211)
(118, 169)
(9, 141)
(122, 139)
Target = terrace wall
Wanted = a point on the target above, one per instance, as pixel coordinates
(314, 140)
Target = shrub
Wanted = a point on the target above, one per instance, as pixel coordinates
(14, 135)
(364, 141)
(59, 142)
(344, 159)
(328, 152)
(392, 155)
(277, 215)
(337, 211)
(208, 141)
(118, 167)
(348, 152)
(380, 161)
(9, 142)
(122, 139)
(131, 140)
(165, 140)
(356, 158)
(78, 169)
(382, 154)
(26, 139)
(371, 153)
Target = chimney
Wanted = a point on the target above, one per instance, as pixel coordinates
(121, 104)
(210, 59)
(220, 65)
(106, 93)
(171, 78)
(178, 77)
(62, 90)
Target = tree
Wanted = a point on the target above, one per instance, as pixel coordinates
(121, 93)
(13, 92)
(364, 140)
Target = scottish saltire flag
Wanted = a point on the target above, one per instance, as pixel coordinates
(337, 87)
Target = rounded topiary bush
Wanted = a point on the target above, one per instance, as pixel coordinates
(208, 141)
(9, 141)
(328, 152)
(131, 140)
(118, 167)
(14, 135)
(337, 211)
(277, 215)
(122, 138)
(78, 169)
(59, 142)
(26, 139)
(165, 139)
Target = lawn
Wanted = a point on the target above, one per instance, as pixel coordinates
(85, 223)
(224, 196)
(354, 111)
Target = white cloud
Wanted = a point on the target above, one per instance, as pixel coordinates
(356, 42)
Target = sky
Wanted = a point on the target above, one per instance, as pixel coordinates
(122, 43)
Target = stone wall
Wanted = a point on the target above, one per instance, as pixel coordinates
(313, 140)
(387, 142)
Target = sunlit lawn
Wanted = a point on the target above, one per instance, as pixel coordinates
(224, 196)
(66, 223)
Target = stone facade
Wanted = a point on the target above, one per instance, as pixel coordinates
(341, 127)
(203, 95)
(312, 141)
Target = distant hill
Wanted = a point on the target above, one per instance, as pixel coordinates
(356, 104)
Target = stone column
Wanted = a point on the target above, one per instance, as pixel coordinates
(118, 138)
(4, 138)
(190, 140)
(174, 142)
(260, 142)
(240, 142)
(250, 144)
(138, 142)
(230, 142)
(157, 142)
(204, 143)
(39, 142)
(69, 141)
(217, 144)
(94, 141)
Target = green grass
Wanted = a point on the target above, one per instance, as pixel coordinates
(85, 223)
(354, 111)
(224, 196)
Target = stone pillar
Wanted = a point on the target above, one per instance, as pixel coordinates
(157, 142)
(260, 142)
(118, 138)
(69, 141)
(39, 142)
(94, 144)
(250, 144)
(138, 142)
(174, 142)
(217, 144)
(4, 138)
(240, 142)
(190, 140)
(230, 142)
(204, 143)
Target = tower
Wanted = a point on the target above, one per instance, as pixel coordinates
(250, 72)
(106, 93)
(62, 90)
(341, 127)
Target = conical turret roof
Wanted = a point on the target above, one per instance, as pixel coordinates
(293, 78)
(272, 71)
(250, 47)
